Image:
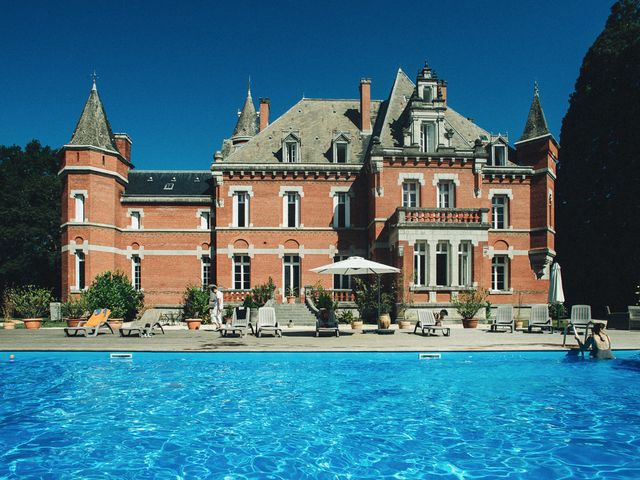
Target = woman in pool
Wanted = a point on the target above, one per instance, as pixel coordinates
(598, 343)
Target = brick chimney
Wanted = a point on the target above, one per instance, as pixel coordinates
(442, 91)
(365, 105)
(264, 113)
(123, 143)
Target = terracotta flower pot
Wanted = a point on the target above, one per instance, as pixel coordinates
(470, 322)
(193, 323)
(384, 321)
(116, 324)
(404, 324)
(32, 323)
(519, 324)
(356, 324)
(291, 299)
(10, 325)
(73, 322)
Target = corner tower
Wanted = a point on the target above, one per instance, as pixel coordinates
(95, 168)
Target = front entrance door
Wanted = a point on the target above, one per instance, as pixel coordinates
(291, 265)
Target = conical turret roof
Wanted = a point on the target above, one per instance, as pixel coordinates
(247, 125)
(93, 128)
(536, 125)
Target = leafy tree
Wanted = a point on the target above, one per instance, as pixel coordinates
(599, 169)
(29, 217)
(113, 290)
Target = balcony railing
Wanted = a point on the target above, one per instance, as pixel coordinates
(235, 296)
(443, 217)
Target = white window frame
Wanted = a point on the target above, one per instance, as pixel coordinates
(136, 272)
(347, 209)
(288, 150)
(443, 248)
(408, 185)
(494, 154)
(465, 264)
(237, 206)
(80, 258)
(136, 219)
(446, 194)
(504, 199)
(500, 262)
(421, 264)
(205, 219)
(205, 271)
(80, 206)
(285, 208)
(341, 282)
(243, 262)
(424, 144)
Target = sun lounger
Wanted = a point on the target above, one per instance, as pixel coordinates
(239, 323)
(328, 325)
(91, 327)
(580, 320)
(427, 324)
(141, 328)
(540, 318)
(504, 318)
(267, 322)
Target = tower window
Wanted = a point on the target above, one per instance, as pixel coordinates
(79, 198)
(428, 137)
(292, 210)
(205, 272)
(136, 277)
(135, 220)
(427, 94)
(241, 213)
(80, 270)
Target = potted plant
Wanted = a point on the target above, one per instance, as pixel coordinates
(291, 294)
(8, 308)
(519, 324)
(228, 314)
(366, 299)
(32, 304)
(487, 312)
(557, 311)
(195, 307)
(113, 290)
(468, 303)
(73, 310)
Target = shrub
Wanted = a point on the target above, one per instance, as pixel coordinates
(31, 301)
(8, 304)
(322, 298)
(366, 298)
(469, 302)
(113, 290)
(195, 304)
(345, 316)
(261, 294)
(74, 308)
(557, 310)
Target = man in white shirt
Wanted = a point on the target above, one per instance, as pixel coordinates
(216, 305)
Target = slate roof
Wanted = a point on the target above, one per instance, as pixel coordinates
(169, 183)
(536, 125)
(395, 118)
(93, 128)
(247, 125)
(316, 122)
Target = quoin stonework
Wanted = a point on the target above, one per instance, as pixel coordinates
(407, 181)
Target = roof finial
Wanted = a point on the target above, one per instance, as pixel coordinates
(94, 77)
(536, 91)
(249, 88)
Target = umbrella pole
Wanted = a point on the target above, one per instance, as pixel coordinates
(378, 275)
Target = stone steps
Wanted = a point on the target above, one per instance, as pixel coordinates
(296, 312)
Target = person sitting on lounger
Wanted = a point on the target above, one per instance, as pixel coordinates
(440, 317)
(598, 343)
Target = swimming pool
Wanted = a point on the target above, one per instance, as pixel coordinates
(308, 415)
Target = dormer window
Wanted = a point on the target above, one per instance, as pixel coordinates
(427, 94)
(341, 148)
(499, 155)
(291, 149)
(428, 137)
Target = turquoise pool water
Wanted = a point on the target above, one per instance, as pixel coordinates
(334, 415)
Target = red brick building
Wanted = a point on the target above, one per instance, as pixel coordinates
(407, 181)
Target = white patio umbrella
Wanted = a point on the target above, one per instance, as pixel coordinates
(556, 293)
(357, 266)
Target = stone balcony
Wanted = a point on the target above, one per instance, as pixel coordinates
(408, 217)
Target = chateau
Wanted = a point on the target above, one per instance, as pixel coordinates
(407, 181)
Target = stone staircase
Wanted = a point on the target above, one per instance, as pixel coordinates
(297, 312)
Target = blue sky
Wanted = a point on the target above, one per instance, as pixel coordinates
(173, 74)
